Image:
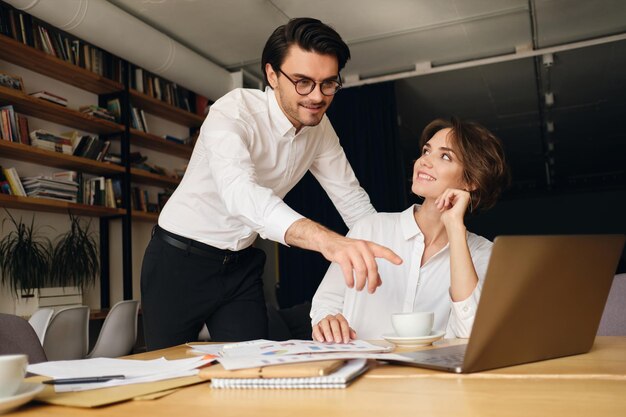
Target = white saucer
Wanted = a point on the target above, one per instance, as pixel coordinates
(24, 394)
(414, 341)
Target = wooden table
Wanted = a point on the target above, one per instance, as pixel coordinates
(593, 384)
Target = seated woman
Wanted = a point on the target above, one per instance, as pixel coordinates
(461, 169)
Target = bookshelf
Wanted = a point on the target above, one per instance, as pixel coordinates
(154, 142)
(164, 110)
(31, 106)
(55, 206)
(36, 60)
(34, 155)
(39, 61)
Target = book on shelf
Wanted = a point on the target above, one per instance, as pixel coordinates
(115, 108)
(116, 188)
(113, 158)
(109, 193)
(23, 129)
(71, 176)
(52, 98)
(5, 187)
(45, 140)
(87, 146)
(48, 187)
(96, 111)
(144, 123)
(14, 181)
(13, 126)
(202, 105)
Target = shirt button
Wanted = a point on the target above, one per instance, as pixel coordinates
(466, 309)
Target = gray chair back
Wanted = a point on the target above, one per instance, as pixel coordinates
(67, 336)
(40, 321)
(119, 331)
(17, 336)
(613, 322)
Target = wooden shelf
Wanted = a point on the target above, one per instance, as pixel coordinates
(144, 216)
(23, 103)
(57, 206)
(148, 178)
(35, 155)
(166, 111)
(38, 61)
(154, 142)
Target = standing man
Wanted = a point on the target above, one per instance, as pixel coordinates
(253, 148)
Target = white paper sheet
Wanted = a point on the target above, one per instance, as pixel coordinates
(269, 348)
(242, 362)
(135, 371)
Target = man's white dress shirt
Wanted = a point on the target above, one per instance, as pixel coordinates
(247, 157)
(407, 287)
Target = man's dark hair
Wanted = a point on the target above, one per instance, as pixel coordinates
(309, 34)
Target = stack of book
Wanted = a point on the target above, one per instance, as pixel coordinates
(138, 119)
(53, 188)
(13, 126)
(87, 146)
(33, 32)
(52, 98)
(98, 112)
(45, 140)
(167, 91)
(100, 191)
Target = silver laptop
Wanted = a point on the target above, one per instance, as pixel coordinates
(542, 298)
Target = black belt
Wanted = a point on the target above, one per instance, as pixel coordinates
(197, 248)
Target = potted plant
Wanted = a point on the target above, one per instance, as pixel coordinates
(24, 259)
(75, 258)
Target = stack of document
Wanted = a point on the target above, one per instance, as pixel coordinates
(337, 379)
(81, 375)
(258, 353)
(289, 364)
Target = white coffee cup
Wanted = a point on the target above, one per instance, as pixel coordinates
(414, 324)
(12, 371)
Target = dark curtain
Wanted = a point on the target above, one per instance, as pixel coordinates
(365, 120)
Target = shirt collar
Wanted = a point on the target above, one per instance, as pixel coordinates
(410, 229)
(278, 117)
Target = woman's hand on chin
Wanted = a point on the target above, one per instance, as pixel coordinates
(452, 203)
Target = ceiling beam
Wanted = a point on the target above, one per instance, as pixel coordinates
(520, 53)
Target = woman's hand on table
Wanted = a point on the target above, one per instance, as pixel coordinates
(333, 329)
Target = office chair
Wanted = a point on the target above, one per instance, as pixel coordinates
(40, 321)
(119, 331)
(613, 322)
(17, 336)
(67, 336)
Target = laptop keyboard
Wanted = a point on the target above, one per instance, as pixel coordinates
(451, 356)
(453, 359)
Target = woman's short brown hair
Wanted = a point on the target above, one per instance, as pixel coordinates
(481, 154)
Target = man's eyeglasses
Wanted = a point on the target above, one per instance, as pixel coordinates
(305, 86)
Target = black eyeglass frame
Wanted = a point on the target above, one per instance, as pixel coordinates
(315, 83)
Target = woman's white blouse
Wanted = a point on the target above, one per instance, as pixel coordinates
(406, 287)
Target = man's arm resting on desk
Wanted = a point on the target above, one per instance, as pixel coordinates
(351, 254)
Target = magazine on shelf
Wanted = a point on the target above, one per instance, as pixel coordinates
(53, 98)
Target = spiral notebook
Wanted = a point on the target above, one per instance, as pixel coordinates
(341, 378)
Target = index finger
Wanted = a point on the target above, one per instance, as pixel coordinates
(380, 251)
